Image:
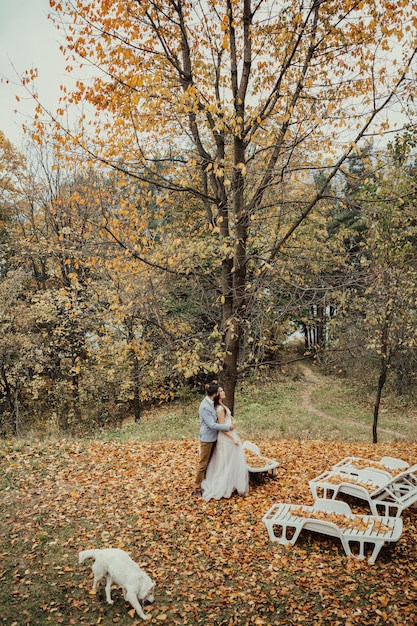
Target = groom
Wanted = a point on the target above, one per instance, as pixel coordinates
(208, 433)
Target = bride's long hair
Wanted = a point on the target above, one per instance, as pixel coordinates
(217, 400)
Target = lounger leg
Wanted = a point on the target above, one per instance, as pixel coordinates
(327, 492)
(361, 555)
(346, 546)
(297, 530)
(377, 547)
(283, 537)
(374, 508)
(323, 493)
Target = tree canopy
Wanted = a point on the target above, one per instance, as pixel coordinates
(234, 106)
(193, 207)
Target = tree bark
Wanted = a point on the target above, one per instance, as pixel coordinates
(137, 408)
(381, 383)
(382, 378)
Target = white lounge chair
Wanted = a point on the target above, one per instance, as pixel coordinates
(258, 463)
(385, 494)
(386, 464)
(334, 518)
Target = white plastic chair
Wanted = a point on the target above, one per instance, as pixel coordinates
(285, 522)
(384, 493)
(265, 464)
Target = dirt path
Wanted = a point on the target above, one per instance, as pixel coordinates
(315, 382)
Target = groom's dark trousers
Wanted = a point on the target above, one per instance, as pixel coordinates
(206, 448)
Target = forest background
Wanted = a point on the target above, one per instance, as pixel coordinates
(221, 189)
(229, 175)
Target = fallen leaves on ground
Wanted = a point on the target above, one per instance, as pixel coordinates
(212, 561)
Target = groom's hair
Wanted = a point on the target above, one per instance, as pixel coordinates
(212, 389)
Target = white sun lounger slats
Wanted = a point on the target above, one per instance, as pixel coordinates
(285, 522)
(264, 464)
(385, 494)
(386, 464)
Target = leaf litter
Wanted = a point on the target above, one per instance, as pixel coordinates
(212, 561)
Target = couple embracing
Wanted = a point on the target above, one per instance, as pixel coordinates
(222, 465)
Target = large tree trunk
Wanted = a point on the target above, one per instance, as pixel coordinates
(137, 407)
(382, 379)
(16, 422)
(381, 383)
(76, 395)
(7, 390)
(234, 278)
(230, 367)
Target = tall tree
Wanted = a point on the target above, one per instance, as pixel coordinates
(389, 301)
(12, 177)
(242, 101)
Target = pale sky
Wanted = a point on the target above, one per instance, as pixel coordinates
(27, 40)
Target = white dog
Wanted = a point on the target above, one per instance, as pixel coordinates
(119, 568)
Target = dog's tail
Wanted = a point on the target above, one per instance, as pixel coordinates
(87, 554)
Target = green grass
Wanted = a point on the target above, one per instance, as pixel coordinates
(274, 409)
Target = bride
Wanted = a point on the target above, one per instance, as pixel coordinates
(226, 471)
